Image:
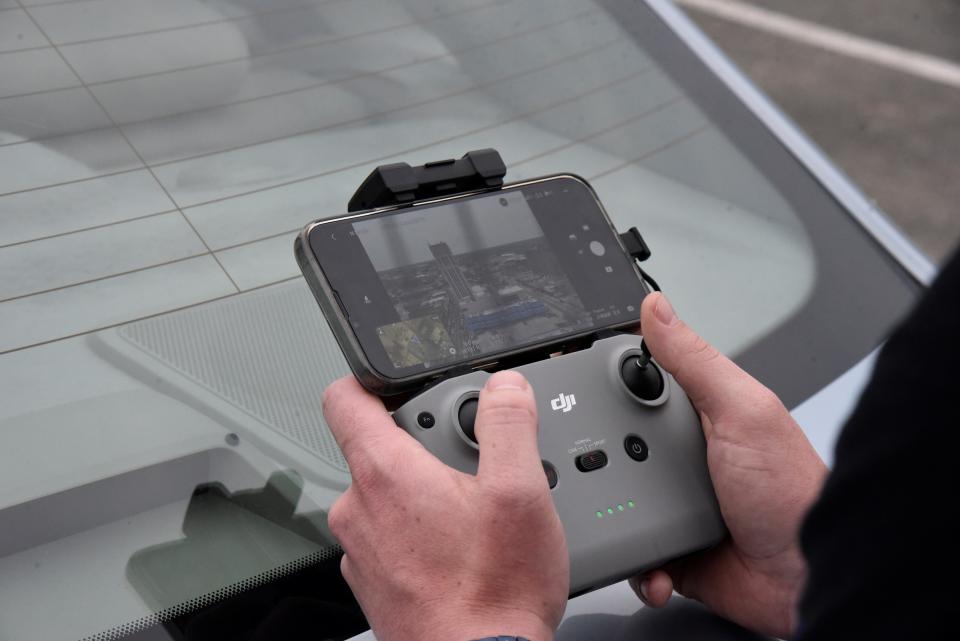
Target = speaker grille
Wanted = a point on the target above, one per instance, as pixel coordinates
(267, 352)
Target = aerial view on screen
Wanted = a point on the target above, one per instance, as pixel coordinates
(472, 278)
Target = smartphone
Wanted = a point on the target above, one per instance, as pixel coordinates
(419, 293)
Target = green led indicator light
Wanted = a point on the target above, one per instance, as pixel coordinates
(620, 507)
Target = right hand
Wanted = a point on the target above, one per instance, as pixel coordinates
(766, 476)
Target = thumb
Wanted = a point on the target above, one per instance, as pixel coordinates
(506, 428)
(713, 382)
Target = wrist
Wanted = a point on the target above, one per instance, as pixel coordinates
(468, 625)
(797, 585)
(785, 589)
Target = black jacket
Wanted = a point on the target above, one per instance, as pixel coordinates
(883, 541)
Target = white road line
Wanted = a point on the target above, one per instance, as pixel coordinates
(833, 40)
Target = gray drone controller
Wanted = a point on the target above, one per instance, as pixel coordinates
(622, 449)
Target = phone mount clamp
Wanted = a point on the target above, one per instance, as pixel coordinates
(480, 170)
(400, 184)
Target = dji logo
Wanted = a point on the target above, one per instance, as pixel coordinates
(564, 402)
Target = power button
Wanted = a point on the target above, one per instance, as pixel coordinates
(636, 448)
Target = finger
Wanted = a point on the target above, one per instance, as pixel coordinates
(359, 422)
(506, 428)
(654, 588)
(711, 380)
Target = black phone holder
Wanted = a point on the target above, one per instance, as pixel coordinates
(401, 184)
(477, 171)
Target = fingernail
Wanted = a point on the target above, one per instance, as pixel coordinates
(644, 588)
(506, 380)
(664, 312)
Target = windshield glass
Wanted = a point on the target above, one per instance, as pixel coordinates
(162, 448)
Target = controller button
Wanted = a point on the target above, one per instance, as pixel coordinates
(636, 448)
(642, 378)
(551, 473)
(426, 420)
(591, 461)
(467, 415)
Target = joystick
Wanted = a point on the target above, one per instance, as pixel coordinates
(467, 417)
(622, 450)
(642, 377)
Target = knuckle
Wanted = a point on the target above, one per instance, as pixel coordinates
(693, 355)
(371, 472)
(502, 496)
(702, 350)
(508, 412)
(766, 403)
(338, 517)
(326, 399)
(507, 493)
(364, 473)
(329, 399)
(346, 569)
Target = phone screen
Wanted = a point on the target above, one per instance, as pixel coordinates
(428, 287)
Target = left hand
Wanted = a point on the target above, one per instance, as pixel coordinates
(433, 554)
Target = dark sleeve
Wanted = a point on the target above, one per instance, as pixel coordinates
(882, 543)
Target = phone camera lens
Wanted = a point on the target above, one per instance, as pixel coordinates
(503, 202)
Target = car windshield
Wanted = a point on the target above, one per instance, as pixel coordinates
(163, 456)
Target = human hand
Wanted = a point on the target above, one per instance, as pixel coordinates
(765, 473)
(433, 554)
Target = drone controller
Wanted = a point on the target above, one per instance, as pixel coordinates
(622, 449)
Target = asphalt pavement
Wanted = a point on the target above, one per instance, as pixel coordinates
(894, 131)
